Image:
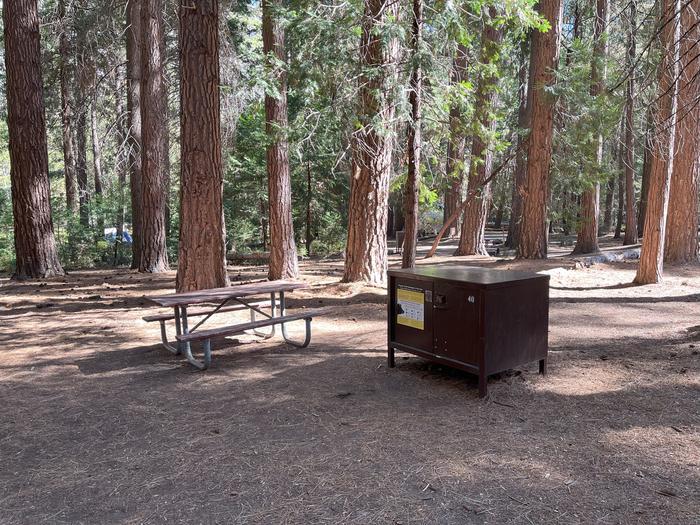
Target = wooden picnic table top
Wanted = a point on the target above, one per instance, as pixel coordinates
(228, 292)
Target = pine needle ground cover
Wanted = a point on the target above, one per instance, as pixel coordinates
(101, 425)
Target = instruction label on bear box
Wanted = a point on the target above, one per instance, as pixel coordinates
(410, 306)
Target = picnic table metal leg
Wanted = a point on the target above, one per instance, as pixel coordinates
(164, 334)
(307, 338)
(272, 312)
(187, 347)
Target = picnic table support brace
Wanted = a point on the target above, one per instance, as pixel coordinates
(187, 347)
(307, 338)
(164, 335)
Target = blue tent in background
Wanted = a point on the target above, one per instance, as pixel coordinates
(111, 235)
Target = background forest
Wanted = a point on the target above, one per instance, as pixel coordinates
(472, 60)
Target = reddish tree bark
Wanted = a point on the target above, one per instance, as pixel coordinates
(202, 249)
(651, 259)
(471, 240)
(544, 56)
(372, 147)
(682, 225)
(587, 238)
(154, 112)
(646, 171)
(35, 246)
(133, 103)
(414, 144)
(283, 251)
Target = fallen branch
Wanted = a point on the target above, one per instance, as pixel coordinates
(470, 195)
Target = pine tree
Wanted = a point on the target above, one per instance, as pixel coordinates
(35, 246)
(202, 247)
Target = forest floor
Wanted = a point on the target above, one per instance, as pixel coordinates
(101, 425)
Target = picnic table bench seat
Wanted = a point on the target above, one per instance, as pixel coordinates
(223, 331)
(205, 336)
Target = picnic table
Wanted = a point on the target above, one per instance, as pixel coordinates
(228, 299)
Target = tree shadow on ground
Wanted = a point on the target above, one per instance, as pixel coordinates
(329, 434)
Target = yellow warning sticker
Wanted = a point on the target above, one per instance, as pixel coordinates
(410, 305)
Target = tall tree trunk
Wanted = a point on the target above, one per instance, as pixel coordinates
(587, 239)
(414, 143)
(284, 263)
(309, 200)
(120, 157)
(97, 162)
(202, 250)
(646, 172)
(154, 254)
(35, 245)
(81, 170)
(682, 225)
(372, 147)
(651, 260)
(64, 50)
(607, 211)
(620, 189)
(630, 212)
(456, 145)
(544, 56)
(81, 124)
(500, 210)
(472, 240)
(133, 107)
(516, 207)
(96, 146)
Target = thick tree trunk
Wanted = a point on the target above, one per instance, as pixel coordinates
(472, 240)
(516, 207)
(35, 246)
(456, 145)
(414, 144)
(283, 251)
(202, 250)
(544, 55)
(67, 111)
(154, 254)
(133, 103)
(372, 147)
(630, 211)
(651, 260)
(587, 239)
(646, 172)
(682, 225)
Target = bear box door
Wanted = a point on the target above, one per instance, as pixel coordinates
(456, 321)
(412, 312)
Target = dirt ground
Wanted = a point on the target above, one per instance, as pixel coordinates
(101, 425)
